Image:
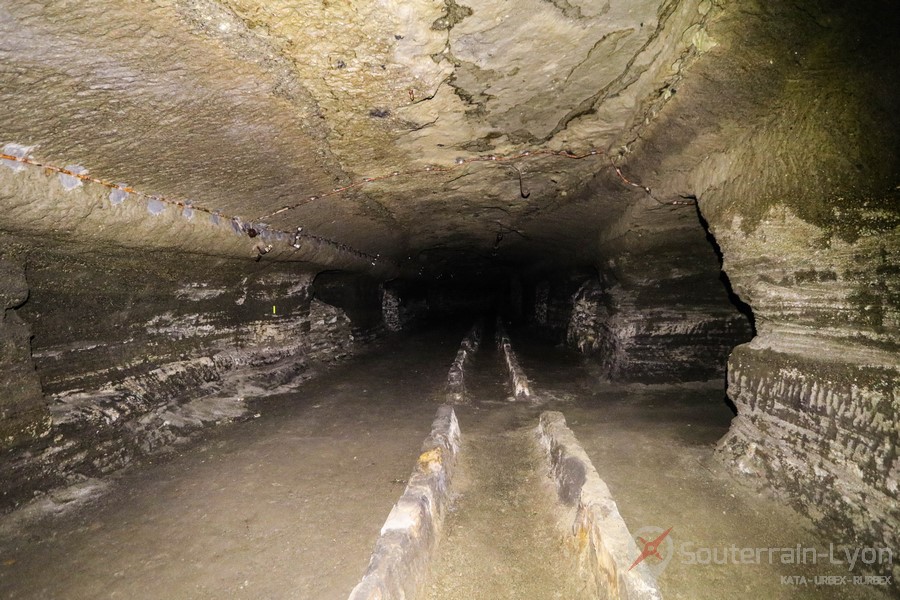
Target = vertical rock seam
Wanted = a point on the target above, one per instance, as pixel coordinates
(456, 378)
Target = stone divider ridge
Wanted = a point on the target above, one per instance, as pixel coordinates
(521, 389)
(606, 549)
(399, 564)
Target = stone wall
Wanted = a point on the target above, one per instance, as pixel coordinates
(136, 352)
(824, 430)
(402, 305)
(360, 297)
(551, 302)
(390, 309)
(23, 410)
(643, 331)
(650, 314)
(818, 391)
(801, 194)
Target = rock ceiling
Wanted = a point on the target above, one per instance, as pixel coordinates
(249, 106)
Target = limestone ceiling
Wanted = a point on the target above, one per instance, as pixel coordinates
(248, 106)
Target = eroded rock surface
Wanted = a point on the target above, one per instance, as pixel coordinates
(23, 412)
(135, 354)
(178, 175)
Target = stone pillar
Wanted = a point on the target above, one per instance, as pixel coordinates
(658, 313)
(357, 296)
(541, 299)
(23, 410)
(818, 390)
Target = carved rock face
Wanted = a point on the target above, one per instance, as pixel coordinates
(537, 145)
(13, 287)
(23, 415)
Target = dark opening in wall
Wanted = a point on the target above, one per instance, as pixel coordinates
(742, 306)
(465, 298)
(358, 296)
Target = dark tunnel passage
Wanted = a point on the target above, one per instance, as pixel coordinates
(204, 507)
(445, 301)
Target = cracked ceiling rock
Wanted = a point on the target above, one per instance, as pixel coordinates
(454, 13)
(568, 68)
(251, 41)
(451, 127)
(135, 96)
(344, 53)
(512, 74)
(670, 52)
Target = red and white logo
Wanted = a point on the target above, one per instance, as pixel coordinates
(656, 548)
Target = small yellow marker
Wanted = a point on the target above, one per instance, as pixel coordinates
(273, 309)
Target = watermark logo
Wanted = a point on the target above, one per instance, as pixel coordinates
(843, 563)
(656, 547)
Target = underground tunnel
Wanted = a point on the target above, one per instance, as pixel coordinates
(445, 300)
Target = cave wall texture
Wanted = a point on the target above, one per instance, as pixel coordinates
(802, 199)
(658, 321)
(351, 163)
(23, 414)
(132, 352)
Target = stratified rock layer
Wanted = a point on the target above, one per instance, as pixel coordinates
(818, 391)
(136, 351)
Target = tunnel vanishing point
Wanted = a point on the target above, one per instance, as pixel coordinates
(203, 202)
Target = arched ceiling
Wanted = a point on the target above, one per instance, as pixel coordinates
(248, 106)
(422, 132)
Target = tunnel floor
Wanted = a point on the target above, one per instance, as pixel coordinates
(501, 540)
(653, 445)
(288, 505)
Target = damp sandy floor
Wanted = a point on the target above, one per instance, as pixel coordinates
(502, 539)
(653, 445)
(289, 505)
